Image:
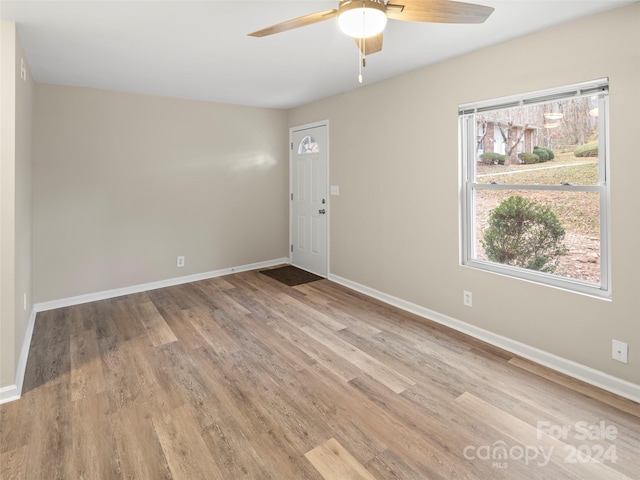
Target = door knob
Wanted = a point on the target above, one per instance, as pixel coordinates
(322, 212)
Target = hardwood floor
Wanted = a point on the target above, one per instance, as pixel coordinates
(242, 377)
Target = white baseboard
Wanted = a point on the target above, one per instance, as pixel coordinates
(24, 352)
(9, 394)
(576, 370)
(13, 392)
(145, 287)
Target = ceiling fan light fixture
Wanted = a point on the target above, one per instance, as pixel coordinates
(362, 19)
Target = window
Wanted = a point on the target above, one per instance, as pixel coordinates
(308, 145)
(535, 194)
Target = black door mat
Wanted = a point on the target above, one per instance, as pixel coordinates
(290, 275)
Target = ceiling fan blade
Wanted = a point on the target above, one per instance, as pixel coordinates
(370, 45)
(295, 23)
(437, 11)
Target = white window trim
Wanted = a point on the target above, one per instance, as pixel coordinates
(467, 132)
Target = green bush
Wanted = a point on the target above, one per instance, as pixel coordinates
(542, 154)
(528, 158)
(587, 150)
(548, 150)
(492, 158)
(524, 233)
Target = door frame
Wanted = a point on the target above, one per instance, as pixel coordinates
(307, 126)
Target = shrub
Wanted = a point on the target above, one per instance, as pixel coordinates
(548, 150)
(587, 150)
(528, 158)
(524, 233)
(492, 158)
(542, 154)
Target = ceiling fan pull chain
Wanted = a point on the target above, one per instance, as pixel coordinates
(363, 46)
(360, 60)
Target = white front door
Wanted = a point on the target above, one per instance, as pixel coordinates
(309, 201)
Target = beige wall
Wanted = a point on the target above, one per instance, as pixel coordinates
(394, 154)
(16, 137)
(24, 207)
(125, 183)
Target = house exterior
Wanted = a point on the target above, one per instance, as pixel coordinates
(490, 138)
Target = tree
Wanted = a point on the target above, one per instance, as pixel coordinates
(524, 233)
(511, 135)
(481, 126)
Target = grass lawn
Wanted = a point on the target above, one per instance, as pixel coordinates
(561, 159)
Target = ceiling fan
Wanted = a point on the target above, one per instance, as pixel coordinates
(365, 20)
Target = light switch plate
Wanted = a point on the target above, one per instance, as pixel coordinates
(335, 189)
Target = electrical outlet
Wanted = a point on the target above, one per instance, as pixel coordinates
(467, 299)
(619, 351)
(180, 261)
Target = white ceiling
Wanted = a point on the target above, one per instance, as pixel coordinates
(200, 49)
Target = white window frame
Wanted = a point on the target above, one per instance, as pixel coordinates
(468, 185)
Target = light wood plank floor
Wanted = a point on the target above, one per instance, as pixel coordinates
(241, 377)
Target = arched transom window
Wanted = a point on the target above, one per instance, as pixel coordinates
(308, 145)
